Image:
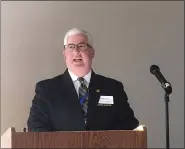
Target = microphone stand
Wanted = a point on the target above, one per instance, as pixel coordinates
(166, 99)
(154, 69)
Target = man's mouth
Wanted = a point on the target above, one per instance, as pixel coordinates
(77, 60)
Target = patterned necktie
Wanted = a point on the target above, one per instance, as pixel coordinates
(83, 96)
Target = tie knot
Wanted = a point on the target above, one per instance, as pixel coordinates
(81, 80)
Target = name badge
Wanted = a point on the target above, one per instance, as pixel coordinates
(106, 100)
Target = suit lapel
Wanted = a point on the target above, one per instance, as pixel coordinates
(70, 86)
(94, 88)
(94, 95)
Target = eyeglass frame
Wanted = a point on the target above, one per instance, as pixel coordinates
(77, 46)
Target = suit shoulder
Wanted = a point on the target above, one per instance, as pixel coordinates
(49, 82)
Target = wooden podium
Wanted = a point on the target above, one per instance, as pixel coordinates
(75, 139)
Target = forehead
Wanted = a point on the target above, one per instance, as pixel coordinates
(75, 39)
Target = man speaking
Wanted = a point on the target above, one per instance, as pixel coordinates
(79, 99)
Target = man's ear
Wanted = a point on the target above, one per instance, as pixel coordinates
(64, 54)
(93, 53)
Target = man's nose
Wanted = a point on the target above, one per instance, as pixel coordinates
(77, 49)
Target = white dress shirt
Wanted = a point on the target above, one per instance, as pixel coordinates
(76, 83)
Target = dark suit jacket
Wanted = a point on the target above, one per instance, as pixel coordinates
(56, 106)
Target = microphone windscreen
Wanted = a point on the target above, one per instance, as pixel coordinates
(154, 68)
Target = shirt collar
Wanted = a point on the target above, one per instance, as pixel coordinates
(74, 78)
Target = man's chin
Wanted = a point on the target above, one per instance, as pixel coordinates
(78, 64)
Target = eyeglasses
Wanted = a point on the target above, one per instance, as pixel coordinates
(80, 46)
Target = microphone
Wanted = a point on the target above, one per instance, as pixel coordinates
(154, 69)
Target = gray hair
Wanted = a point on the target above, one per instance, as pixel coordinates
(75, 31)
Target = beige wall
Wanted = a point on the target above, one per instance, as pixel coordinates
(129, 38)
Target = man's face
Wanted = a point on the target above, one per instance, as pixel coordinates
(78, 54)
